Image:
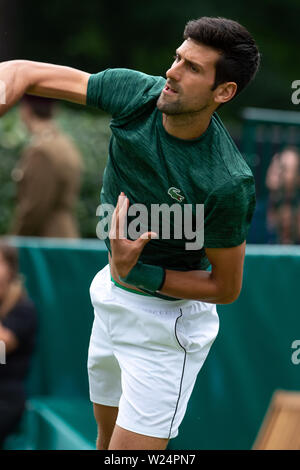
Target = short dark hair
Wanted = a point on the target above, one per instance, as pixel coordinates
(240, 58)
(41, 107)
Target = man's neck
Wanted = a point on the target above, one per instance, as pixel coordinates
(186, 127)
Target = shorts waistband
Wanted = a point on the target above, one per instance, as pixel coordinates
(148, 301)
(146, 292)
(128, 289)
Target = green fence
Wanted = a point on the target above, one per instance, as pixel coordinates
(250, 359)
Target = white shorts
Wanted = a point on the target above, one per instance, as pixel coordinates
(145, 354)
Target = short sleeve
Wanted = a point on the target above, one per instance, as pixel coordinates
(22, 321)
(120, 91)
(228, 213)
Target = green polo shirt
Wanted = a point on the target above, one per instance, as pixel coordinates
(146, 162)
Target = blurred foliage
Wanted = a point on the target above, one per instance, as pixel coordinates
(12, 139)
(90, 133)
(98, 34)
(95, 35)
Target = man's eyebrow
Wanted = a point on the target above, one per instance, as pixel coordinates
(190, 61)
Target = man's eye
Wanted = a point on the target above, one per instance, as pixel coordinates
(193, 68)
(176, 57)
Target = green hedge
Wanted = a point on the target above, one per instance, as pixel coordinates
(90, 132)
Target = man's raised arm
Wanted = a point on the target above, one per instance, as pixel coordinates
(18, 77)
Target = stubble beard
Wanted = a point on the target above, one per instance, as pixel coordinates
(177, 108)
(169, 108)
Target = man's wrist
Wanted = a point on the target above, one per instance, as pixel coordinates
(145, 276)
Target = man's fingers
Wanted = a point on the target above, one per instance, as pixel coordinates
(117, 229)
(123, 203)
(145, 238)
(148, 235)
(113, 230)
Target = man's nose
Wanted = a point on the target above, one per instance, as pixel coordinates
(174, 72)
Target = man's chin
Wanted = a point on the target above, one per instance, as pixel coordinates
(167, 108)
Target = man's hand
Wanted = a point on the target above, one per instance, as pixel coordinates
(12, 84)
(125, 253)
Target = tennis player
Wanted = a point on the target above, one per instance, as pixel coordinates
(155, 302)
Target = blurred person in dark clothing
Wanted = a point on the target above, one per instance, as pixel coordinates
(283, 182)
(18, 325)
(47, 175)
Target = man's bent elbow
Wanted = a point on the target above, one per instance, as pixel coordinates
(229, 298)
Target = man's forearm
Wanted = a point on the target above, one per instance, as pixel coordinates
(220, 286)
(56, 81)
(18, 77)
(196, 285)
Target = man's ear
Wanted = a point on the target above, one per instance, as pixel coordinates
(225, 92)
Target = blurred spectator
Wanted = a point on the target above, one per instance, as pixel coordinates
(18, 323)
(283, 182)
(47, 175)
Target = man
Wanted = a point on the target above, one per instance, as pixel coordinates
(47, 175)
(155, 303)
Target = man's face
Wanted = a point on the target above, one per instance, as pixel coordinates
(189, 80)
